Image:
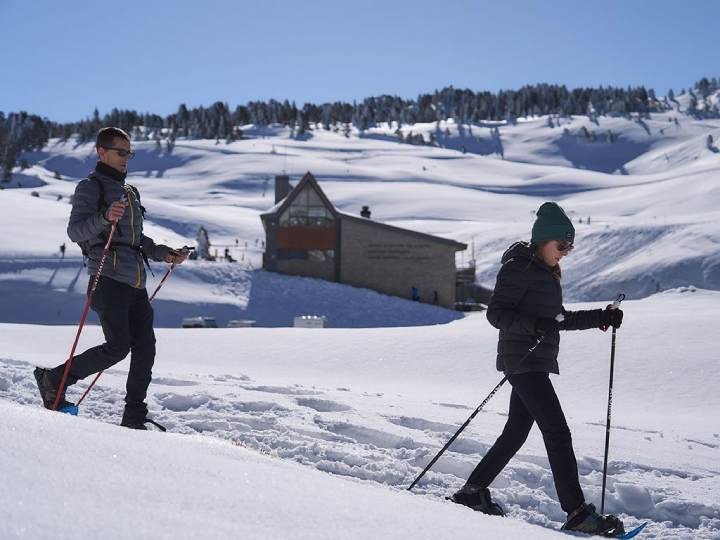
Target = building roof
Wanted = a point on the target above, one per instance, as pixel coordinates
(459, 246)
(308, 178)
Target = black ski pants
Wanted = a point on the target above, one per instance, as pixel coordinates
(533, 399)
(126, 317)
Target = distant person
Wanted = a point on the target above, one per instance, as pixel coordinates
(120, 299)
(524, 305)
(62, 250)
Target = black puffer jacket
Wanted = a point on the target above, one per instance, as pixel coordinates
(526, 289)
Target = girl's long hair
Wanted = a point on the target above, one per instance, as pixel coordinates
(535, 248)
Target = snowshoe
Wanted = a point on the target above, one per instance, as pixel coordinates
(586, 520)
(140, 424)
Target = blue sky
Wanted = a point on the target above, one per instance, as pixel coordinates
(62, 59)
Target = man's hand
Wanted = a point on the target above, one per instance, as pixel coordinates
(116, 210)
(177, 256)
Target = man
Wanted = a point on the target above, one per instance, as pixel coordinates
(120, 299)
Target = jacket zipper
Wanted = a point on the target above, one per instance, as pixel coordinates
(131, 198)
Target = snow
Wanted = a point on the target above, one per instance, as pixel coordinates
(148, 485)
(371, 405)
(281, 432)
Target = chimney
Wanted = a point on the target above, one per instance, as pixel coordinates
(282, 187)
(365, 212)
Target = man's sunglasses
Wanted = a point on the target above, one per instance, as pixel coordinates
(122, 152)
(564, 246)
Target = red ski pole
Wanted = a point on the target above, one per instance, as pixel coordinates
(68, 362)
(162, 281)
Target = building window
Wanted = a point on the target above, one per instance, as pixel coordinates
(307, 210)
(321, 255)
(292, 254)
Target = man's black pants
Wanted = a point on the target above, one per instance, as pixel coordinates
(533, 399)
(126, 317)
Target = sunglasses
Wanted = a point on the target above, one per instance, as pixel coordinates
(565, 246)
(122, 152)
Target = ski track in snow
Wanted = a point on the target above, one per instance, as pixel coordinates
(371, 437)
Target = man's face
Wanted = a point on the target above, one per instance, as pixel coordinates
(111, 157)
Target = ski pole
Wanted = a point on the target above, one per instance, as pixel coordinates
(68, 362)
(615, 305)
(559, 318)
(167, 274)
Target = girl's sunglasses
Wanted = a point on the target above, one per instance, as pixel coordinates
(565, 246)
(122, 152)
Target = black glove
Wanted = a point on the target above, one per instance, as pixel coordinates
(610, 317)
(546, 325)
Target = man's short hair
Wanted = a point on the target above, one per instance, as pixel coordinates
(106, 136)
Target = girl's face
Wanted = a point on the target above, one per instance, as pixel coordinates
(552, 251)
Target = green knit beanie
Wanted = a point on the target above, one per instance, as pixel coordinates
(552, 223)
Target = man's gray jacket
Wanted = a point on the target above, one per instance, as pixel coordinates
(124, 262)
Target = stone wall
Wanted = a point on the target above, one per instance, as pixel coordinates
(393, 262)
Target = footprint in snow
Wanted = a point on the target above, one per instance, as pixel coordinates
(322, 405)
(420, 424)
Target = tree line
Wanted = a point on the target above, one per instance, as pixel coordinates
(22, 131)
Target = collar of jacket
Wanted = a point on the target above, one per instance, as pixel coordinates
(110, 172)
(521, 250)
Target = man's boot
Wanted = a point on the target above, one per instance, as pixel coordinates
(134, 416)
(48, 387)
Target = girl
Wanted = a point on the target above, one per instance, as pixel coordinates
(524, 306)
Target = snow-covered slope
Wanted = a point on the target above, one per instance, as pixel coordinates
(150, 486)
(372, 405)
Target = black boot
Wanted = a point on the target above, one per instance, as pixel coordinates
(478, 499)
(585, 519)
(141, 424)
(135, 417)
(134, 424)
(48, 387)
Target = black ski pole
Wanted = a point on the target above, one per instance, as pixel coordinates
(615, 305)
(559, 318)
